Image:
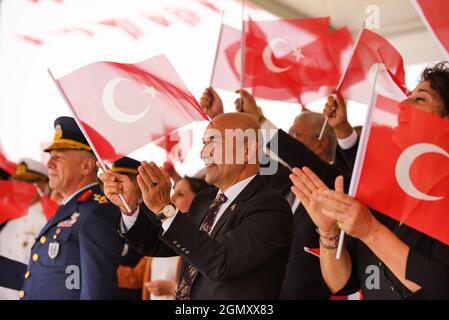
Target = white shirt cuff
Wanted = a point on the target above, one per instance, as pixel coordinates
(167, 222)
(128, 221)
(269, 130)
(349, 142)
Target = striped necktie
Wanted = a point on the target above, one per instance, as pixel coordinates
(190, 272)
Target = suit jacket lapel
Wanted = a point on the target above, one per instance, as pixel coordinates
(232, 209)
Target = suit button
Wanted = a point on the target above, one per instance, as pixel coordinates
(35, 257)
(43, 239)
(21, 294)
(27, 274)
(183, 249)
(392, 289)
(175, 242)
(55, 237)
(178, 246)
(187, 252)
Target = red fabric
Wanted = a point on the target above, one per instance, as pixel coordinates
(435, 14)
(295, 34)
(288, 60)
(176, 144)
(209, 5)
(228, 60)
(15, 198)
(370, 50)
(128, 27)
(406, 162)
(123, 107)
(285, 58)
(49, 207)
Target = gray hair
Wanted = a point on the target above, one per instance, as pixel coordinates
(316, 121)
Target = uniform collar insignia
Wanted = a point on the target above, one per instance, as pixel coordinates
(85, 195)
(100, 199)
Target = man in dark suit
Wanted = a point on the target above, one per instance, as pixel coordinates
(234, 244)
(77, 252)
(301, 147)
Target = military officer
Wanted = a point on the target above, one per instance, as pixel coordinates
(18, 235)
(128, 166)
(77, 252)
(130, 257)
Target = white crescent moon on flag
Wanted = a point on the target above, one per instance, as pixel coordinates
(111, 108)
(405, 161)
(267, 53)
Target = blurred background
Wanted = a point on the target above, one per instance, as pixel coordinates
(63, 35)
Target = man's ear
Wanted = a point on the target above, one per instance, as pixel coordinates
(251, 152)
(322, 145)
(88, 166)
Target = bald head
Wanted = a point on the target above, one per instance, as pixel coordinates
(307, 128)
(231, 149)
(235, 120)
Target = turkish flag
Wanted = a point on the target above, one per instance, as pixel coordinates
(15, 198)
(371, 50)
(5, 164)
(227, 65)
(340, 45)
(123, 107)
(48, 206)
(271, 49)
(284, 60)
(176, 144)
(435, 15)
(405, 169)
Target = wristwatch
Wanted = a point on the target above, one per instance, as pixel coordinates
(166, 212)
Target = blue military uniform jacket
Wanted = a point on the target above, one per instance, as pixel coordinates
(77, 252)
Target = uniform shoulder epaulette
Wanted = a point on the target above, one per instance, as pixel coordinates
(101, 199)
(85, 196)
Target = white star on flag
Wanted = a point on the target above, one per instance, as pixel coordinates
(152, 91)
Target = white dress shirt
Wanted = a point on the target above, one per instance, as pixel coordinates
(348, 142)
(231, 193)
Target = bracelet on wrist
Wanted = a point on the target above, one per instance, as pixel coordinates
(336, 237)
(333, 244)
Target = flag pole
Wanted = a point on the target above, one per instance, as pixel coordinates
(360, 152)
(216, 50)
(39, 191)
(326, 120)
(80, 125)
(242, 53)
(423, 17)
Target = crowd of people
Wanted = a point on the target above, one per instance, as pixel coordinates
(138, 231)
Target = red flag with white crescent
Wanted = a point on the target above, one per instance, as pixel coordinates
(123, 107)
(407, 154)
